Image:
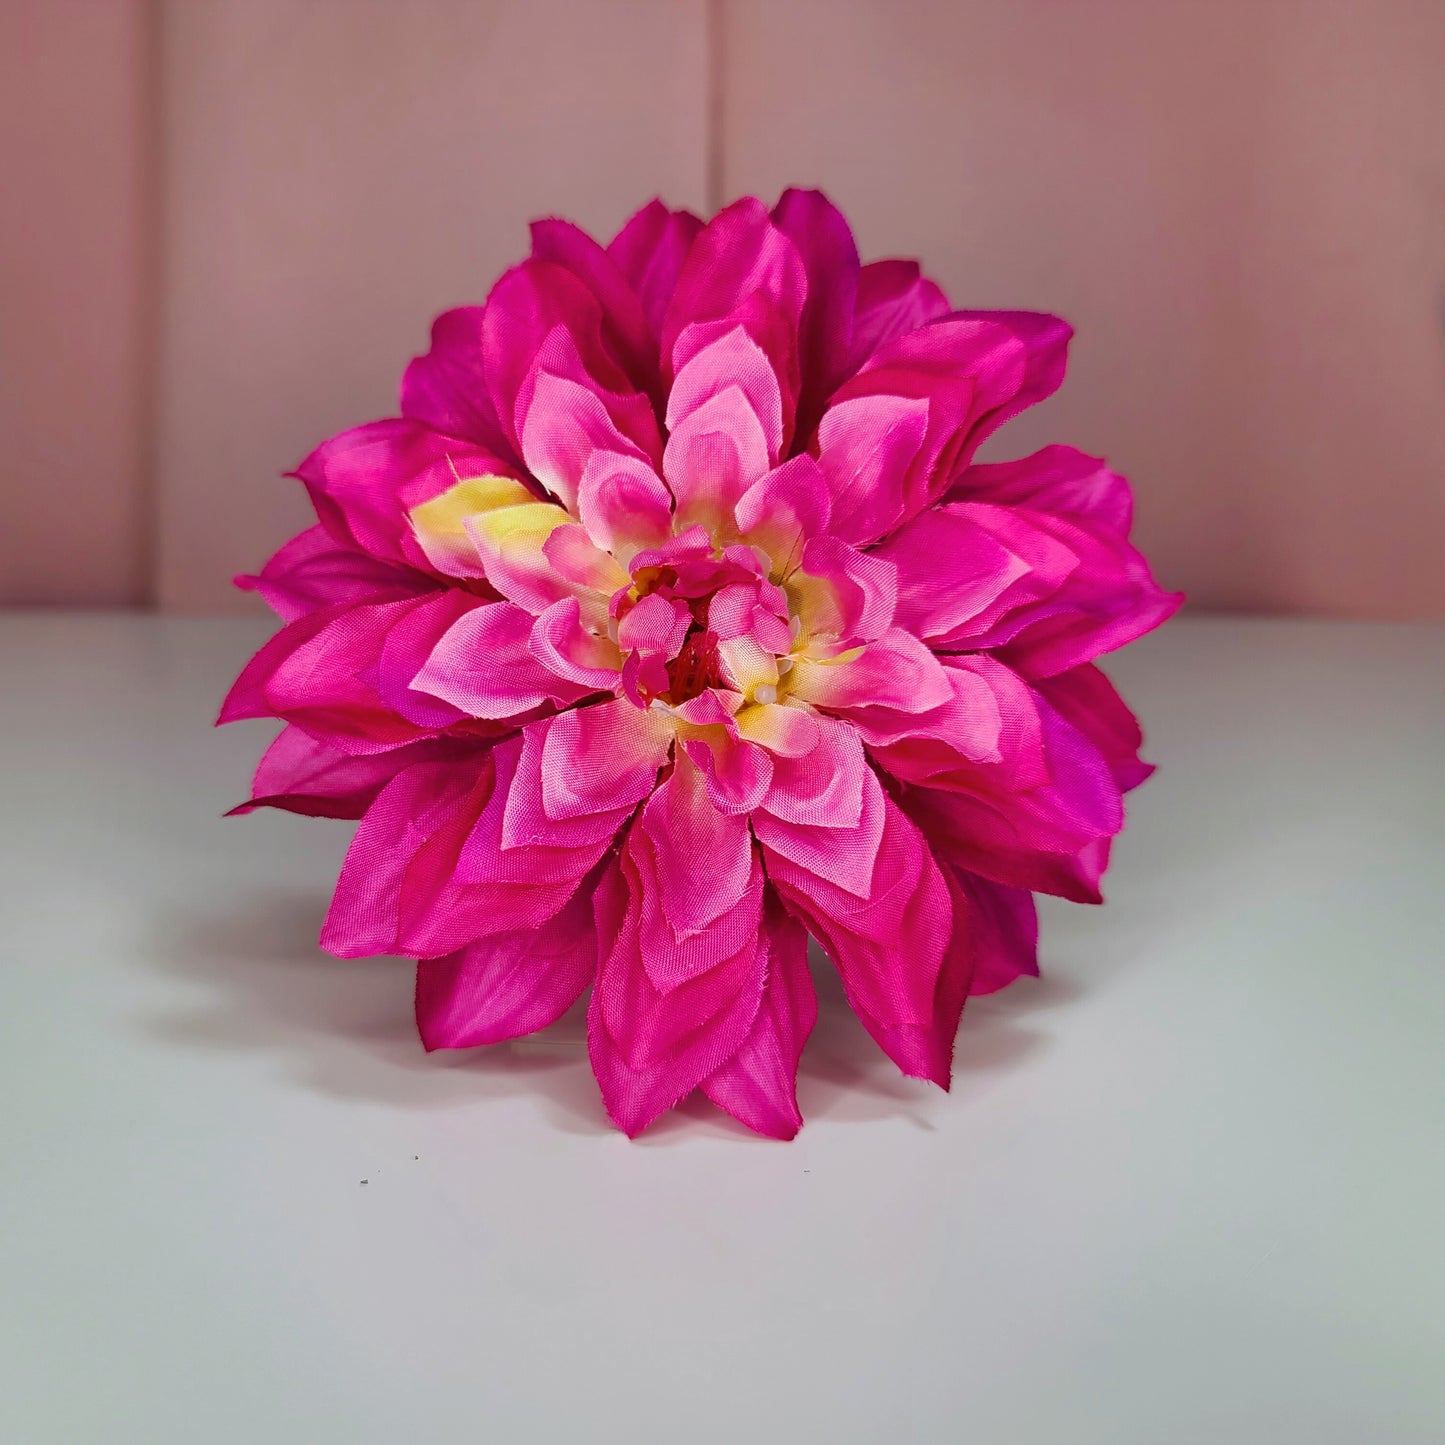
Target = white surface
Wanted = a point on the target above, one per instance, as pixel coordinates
(1188, 1189)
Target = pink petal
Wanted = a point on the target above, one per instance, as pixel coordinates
(783, 510)
(737, 773)
(740, 254)
(713, 456)
(601, 758)
(650, 1048)
(894, 671)
(1087, 699)
(510, 984)
(758, 1085)
(856, 600)
(297, 774)
(484, 666)
(623, 503)
(418, 805)
(625, 328)
(561, 643)
(733, 359)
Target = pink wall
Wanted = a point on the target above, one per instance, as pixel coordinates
(75, 204)
(1241, 204)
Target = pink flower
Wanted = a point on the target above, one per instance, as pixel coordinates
(673, 622)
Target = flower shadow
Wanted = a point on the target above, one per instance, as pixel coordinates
(343, 1028)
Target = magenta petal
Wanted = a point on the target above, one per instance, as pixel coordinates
(297, 774)
(625, 329)
(650, 1046)
(365, 481)
(510, 984)
(417, 805)
(1087, 699)
(446, 388)
(893, 299)
(599, 758)
(1001, 928)
(888, 946)
(758, 1085)
(313, 571)
(1060, 480)
(829, 254)
(650, 250)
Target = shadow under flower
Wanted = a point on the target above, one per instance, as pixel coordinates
(343, 1027)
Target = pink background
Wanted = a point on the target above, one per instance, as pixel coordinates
(228, 223)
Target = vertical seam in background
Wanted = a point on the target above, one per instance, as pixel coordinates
(151, 284)
(713, 99)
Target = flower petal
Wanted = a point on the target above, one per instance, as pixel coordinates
(313, 571)
(446, 389)
(484, 665)
(510, 984)
(758, 1085)
(650, 250)
(893, 299)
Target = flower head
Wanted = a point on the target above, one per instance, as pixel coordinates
(672, 622)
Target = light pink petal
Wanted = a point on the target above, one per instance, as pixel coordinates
(600, 758)
(313, 571)
(781, 511)
(623, 503)
(784, 729)
(656, 624)
(870, 447)
(650, 250)
(712, 457)
(733, 359)
(969, 728)
(510, 984)
(564, 425)
(896, 671)
(484, 666)
(564, 646)
(844, 596)
(737, 773)
(805, 819)
(688, 833)
(758, 1085)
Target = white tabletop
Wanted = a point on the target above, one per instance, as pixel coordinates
(1186, 1189)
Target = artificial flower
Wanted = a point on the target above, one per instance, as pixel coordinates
(672, 623)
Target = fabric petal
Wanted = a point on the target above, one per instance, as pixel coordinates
(313, 571)
(446, 389)
(509, 984)
(758, 1085)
